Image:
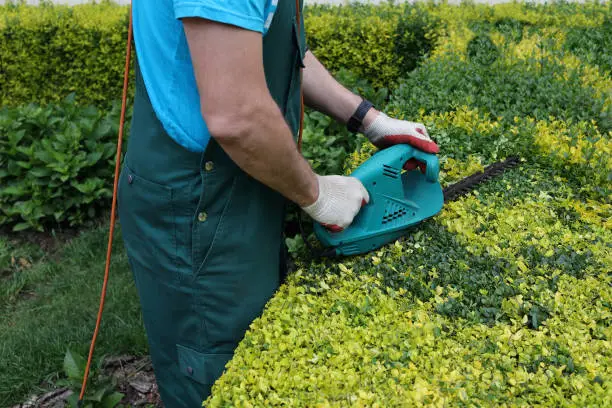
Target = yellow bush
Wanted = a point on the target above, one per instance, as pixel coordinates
(50, 51)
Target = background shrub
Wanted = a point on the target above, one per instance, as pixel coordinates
(539, 89)
(56, 164)
(378, 43)
(51, 51)
(592, 44)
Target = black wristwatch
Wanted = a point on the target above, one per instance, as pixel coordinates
(355, 122)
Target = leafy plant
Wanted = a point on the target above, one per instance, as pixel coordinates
(101, 390)
(56, 164)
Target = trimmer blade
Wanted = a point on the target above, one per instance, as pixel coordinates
(468, 184)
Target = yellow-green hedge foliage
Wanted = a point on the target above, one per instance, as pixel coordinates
(501, 300)
(379, 43)
(51, 51)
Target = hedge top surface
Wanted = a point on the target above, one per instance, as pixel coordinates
(103, 16)
(504, 298)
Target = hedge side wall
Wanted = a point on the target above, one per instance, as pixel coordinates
(51, 51)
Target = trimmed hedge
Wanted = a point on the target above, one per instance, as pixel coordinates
(482, 308)
(51, 51)
(81, 48)
(504, 298)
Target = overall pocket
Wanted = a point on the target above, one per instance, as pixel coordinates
(147, 220)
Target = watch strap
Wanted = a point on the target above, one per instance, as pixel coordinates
(356, 120)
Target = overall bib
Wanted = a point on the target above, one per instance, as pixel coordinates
(203, 238)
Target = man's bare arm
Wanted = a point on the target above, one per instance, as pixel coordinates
(240, 112)
(323, 93)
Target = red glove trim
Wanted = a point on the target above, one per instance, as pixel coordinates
(428, 146)
(333, 227)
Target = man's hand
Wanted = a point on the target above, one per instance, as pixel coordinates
(385, 131)
(323, 93)
(340, 199)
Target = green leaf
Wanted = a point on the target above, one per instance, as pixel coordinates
(22, 226)
(93, 158)
(16, 190)
(13, 168)
(17, 137)
(24, 164)
(44, 156)
(73, 400)
(111, 401)
(74, 365)
(40, 172)
(99, 394)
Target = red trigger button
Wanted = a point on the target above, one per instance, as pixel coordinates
(413, 164)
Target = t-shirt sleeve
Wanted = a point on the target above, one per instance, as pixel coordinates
(248, 14)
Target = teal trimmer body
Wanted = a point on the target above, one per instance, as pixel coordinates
(399, 199)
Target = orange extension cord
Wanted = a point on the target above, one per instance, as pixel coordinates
(113, 207)
(128, 55)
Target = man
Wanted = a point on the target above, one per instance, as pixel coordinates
(210, 165)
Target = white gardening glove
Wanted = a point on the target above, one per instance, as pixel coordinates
(340, 199)
(385, 131)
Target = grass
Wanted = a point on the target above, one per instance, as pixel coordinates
(52, 305)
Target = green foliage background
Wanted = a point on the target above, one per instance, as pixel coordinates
(50, 51)
(504, 299)
(60, 62)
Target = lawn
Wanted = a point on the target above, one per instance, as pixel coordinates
(503, 299)
(48, 305)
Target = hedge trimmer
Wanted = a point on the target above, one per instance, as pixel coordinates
(404, 191)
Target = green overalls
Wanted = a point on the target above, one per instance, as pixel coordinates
(204, 239)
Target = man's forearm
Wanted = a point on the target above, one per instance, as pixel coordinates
(239, 111)
(323, 93)
(261, 143)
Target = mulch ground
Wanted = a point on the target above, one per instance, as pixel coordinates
(135, 379)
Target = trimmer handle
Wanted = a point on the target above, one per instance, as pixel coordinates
(397, 156)
(432, 169)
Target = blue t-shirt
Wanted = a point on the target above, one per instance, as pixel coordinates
(165, 62)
